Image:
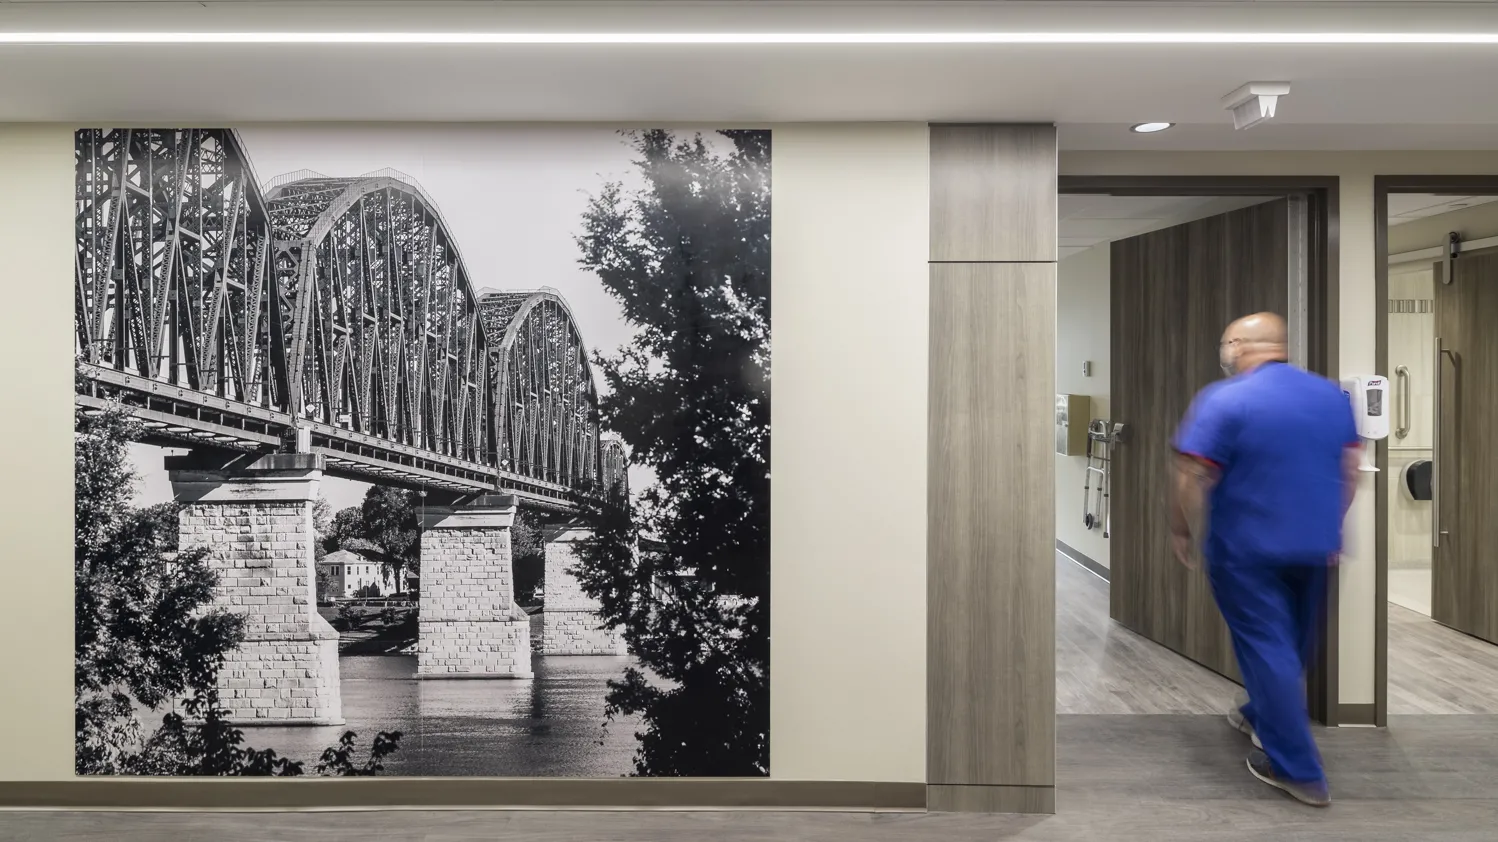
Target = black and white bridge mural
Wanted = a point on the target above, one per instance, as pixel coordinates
(315, 326)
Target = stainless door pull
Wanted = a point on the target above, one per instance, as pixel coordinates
(1402, 376)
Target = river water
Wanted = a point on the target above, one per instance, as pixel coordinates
(550, 726)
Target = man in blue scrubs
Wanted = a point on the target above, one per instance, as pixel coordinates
(1271, 453)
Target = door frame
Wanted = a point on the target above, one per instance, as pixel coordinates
(1323, 194)
(1383, 185)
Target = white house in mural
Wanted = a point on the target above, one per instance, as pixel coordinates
(347, 574)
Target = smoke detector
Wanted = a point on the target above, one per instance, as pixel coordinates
(1255, 102)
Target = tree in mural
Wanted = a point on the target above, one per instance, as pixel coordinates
(322, 526)
(347, 525)
(390, 522)
(146, 632)
(385, 526)
(688, 258)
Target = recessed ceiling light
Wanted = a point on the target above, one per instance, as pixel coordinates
(1150, 128)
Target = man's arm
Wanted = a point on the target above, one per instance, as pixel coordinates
(1194, 481)
(1204, 447)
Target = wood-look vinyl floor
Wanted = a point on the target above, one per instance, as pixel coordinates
(1102, 667)
(1437, 670)
(1121, 779)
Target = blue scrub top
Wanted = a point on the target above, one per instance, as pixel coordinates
(1277, 435)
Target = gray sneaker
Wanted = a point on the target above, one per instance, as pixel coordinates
(1240, 723)
(1314, 793)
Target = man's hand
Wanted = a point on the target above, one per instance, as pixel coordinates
(1194, 481)
(1181, 544)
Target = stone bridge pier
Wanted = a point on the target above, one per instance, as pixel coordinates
(570, 622)
(470, 626)
(254, 512)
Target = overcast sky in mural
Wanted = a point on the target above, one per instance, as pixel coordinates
(512, 197)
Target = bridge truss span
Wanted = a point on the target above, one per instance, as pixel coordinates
(387, 342)
(334, 315)
(173, 246)
(546, 397)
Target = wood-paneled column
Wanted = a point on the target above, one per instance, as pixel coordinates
(990, 595)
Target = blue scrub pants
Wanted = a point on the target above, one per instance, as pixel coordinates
(1273, 612)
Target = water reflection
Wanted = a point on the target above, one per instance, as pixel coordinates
(549, 726)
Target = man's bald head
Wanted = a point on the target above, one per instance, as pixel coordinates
(1252, 341)
(1260, 328)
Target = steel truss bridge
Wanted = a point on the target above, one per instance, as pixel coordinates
(326, 315)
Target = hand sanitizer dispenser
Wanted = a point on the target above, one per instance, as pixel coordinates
(1369, 394)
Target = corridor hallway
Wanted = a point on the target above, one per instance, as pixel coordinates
(1103, 668)
(1437, 670)
(1176, 776)
(1119, 779)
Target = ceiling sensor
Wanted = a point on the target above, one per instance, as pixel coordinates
(1255, 102)
(1150, 128)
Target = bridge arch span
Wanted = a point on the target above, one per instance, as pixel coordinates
(385, 336)
(234, 314)
(546, 398)
(170, 263)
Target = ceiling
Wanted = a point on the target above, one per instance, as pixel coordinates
(1085, 221)
(1347, 96)
(1407, 207)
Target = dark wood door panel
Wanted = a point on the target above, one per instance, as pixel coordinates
(1464, 577)
(1173, 292)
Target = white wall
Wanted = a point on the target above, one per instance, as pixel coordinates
(849, 510)
(36, 510)
(848, 582)
(1357, 311)
(1411, 344)
(1474, 223)
(1082, 334)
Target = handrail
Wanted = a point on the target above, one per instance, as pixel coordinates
(1402, 376)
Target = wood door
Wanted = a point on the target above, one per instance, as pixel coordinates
(1173, 293)
(1465, 566)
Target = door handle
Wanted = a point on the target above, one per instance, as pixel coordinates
(1402, 376)
(1435, 447)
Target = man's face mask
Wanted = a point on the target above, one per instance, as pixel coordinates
(1227, 357)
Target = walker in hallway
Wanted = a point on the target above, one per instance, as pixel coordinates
(1101, 436)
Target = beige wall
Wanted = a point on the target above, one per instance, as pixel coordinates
(36, 514)
(848, 642)
(1082, 334)
(1357, 311)
(848, 630)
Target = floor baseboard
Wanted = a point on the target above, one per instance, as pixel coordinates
(1093, 567)
(490, 793)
